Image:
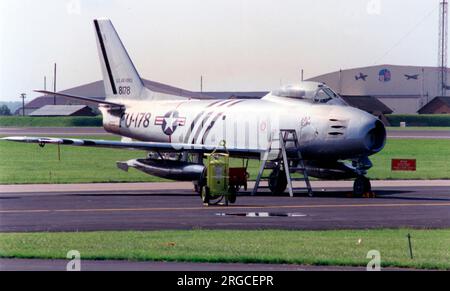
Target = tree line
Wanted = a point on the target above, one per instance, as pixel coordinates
(5, 111)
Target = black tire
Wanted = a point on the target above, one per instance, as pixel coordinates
(232, 195)
(246, 179)
(200, 184)
(206, 196)
(277, 181)
(361, 186)
(367, 186)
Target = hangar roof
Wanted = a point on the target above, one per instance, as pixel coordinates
(367, 103)
(431, 106)
(444, 99)
(60, 110)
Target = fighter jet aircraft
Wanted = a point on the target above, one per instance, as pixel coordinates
(334, 139)
(411, 77)
(361, 76)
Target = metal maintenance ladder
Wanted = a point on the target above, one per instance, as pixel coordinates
(287, 162)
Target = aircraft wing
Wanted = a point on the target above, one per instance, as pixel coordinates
(133, 145)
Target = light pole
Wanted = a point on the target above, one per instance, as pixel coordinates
(54, 85)
(201, 84)
(23, 96)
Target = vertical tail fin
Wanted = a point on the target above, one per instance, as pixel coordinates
(121, 80)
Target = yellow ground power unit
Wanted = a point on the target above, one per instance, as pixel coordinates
(217, 178)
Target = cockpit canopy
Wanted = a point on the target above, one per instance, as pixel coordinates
(310, 91)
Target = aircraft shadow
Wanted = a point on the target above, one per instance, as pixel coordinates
(326, 194)
(134, 194)
(413, 198)
(381, 194)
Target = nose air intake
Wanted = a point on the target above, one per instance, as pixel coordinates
(375, 138)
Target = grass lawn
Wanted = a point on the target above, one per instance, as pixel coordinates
(432, 128)
(28, 163)
(69, 121)
(419, 119)
(433, 159)
(431, 248)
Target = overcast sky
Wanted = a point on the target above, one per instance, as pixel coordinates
(235, 45)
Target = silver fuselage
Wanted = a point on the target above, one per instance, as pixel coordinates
(324, 131)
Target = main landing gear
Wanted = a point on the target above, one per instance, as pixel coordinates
(277, 181)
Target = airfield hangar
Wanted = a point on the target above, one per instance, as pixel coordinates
(404, 89)
(380, 90)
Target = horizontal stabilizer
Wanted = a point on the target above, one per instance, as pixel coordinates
(86, 99)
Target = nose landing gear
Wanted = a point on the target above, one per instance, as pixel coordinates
(362, 186)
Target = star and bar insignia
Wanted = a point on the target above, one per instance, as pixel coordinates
(170, 121)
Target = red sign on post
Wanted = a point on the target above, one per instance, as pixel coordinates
(403, 165)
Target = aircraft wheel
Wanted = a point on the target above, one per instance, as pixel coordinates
(200, 183)
(205, 194)
(277, 181)
(361, 186)
(367, 186)
(232, 195)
